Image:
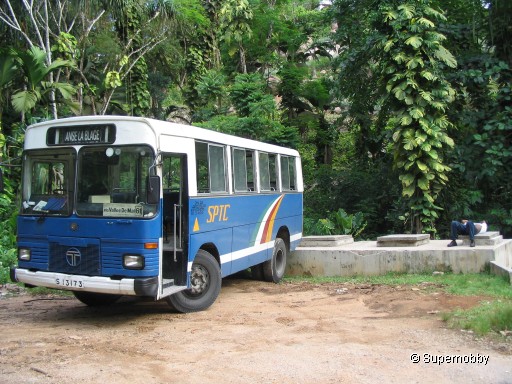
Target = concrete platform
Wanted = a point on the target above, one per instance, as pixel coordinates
(368, 258)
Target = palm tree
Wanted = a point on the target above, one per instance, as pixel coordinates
(36, 86)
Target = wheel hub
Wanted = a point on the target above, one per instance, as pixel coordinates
(199, 279)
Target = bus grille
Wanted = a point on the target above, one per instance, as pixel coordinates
(75, 260)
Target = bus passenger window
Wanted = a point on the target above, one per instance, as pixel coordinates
(202, 167)
(288, 173)
(217, 168)
(210, 168)
(243, 170)
(263, 159)
(239, 170)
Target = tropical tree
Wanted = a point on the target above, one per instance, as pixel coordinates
(234, 21)
(35, 84)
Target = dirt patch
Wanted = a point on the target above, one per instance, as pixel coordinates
(255, 333)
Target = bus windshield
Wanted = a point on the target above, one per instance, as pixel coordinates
(112, 181)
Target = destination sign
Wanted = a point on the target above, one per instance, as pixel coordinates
(81, 134)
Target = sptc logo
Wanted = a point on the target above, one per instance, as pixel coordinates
(73, 257)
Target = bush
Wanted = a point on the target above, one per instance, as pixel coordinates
(338, 223)
(8, 214)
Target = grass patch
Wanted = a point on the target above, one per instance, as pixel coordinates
(489, 316)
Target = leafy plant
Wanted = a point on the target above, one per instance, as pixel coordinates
(8, 215)
(338, 223)
(418, 96)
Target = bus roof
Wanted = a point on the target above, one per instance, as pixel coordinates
(161, 127)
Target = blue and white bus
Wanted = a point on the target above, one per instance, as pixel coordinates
(115, 206)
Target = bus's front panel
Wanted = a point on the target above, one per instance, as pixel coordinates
(85, 221)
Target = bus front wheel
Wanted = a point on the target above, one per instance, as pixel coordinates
(273, 269)
(93, 299)
(205, 284)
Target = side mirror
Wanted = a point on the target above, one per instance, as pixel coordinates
(153, 189)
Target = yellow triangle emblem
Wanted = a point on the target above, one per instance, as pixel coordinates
(196, 225)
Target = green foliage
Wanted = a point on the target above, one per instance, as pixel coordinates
(36, 88)
(8, 214)
(385, 99)
(211, 88)
(412, 71)
(66, 46)
(247, 90)
(234, 16)
(338, 223)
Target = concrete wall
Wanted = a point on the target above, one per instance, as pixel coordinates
(365, 258)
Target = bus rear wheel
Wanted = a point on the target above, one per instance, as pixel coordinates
(205, 284)
(93, 299)
(273, 269)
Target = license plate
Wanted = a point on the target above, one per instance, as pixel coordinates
(69, 282)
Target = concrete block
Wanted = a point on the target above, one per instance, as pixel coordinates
(487, 238)
(403, 240)
(326, 241)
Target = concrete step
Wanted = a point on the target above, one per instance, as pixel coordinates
(326, 241)
(487, 238)
(403, 240)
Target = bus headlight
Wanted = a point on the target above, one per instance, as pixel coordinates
(133, 261)
(24, 254)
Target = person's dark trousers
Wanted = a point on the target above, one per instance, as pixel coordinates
(463, 229)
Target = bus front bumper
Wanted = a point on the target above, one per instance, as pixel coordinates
(98, 284)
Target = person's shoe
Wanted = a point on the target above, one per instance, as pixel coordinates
(453, 243)
(472, 243)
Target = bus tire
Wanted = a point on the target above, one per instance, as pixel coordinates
(273, 269)
(205, 284)
(93, 299)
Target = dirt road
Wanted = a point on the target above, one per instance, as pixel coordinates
(255, 333)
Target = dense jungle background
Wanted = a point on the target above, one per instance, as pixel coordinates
(401, 109)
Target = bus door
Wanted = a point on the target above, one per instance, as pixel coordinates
(175, 222)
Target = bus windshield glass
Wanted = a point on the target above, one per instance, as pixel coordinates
(112, 181)
(48, 182)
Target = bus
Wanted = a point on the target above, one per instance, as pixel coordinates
(116, 206)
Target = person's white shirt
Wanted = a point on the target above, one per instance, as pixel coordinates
(482, 226)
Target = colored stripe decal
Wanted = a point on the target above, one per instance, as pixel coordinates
(260, 233)
(269, 225)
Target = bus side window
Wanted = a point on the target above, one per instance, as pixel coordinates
(239, 170)
(210, 168)
(243, 170)
(263, 162)
(288, 173)
(202, 167)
